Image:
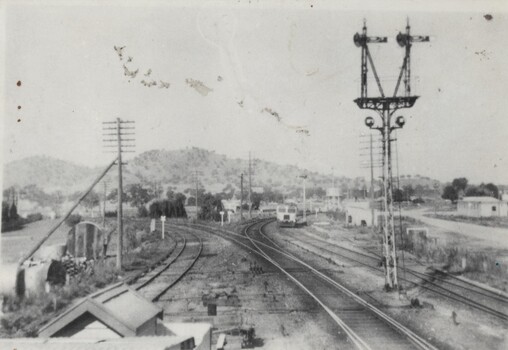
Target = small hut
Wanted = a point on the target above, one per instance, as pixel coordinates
(85, 240)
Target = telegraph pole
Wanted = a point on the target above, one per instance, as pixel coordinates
(119, 215)
(195, 177)
(371, 183)
(241, 197)
(197, 188)
(250, 187)
(104, 205)
(304, 177)
(123, 145)
(386, 106)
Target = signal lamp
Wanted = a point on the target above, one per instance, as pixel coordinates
(369, 121)
(400, 121)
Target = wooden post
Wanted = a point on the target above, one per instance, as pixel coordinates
(119, 216)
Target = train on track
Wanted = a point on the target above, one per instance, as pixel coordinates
(286, 215)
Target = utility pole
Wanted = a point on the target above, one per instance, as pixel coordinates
(104, 205)
(197, 188)
(250, 187)
(241, 197)
(123, 145)
(371, 183)
(386, 106)
(119, 215)
(304, 177)
(195, 176)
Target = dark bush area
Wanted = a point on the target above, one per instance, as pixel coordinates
(170, 208)
(34, 217)
(73, 219)
(211, 207)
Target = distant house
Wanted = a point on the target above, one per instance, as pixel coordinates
(231, 205)
(332, 198)
(482, 207)
(359, 213)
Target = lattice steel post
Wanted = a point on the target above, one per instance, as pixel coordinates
(386, 106)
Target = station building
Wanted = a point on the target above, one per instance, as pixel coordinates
(482, 207)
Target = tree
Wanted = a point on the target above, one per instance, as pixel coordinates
(316, 191)
(170, 194)
(13, 212)
(256, 200)
(460, 184)
(139, 195)
(211, 206)
(174, 208)
(398, 195)
(113, 196)
(419, 190)
(449, 192)
(5, 211)
(91, 200)
(484, 190)
(492, 190)
(408, 192)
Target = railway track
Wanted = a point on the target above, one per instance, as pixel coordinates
(155, 283)
(438, 282)
(366, 326)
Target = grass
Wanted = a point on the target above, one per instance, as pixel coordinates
(478, 264)
(484, 221)
(23, 317)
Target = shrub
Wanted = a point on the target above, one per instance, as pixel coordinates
(111, 214)
(73, 219)
(142, 212)
(34, 217)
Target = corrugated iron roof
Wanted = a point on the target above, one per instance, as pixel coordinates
(118, 307)
(128, 343)
(481, 199)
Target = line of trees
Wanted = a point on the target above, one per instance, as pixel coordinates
(460, 187)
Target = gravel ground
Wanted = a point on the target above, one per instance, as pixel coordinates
(434, 321)
(282, 316)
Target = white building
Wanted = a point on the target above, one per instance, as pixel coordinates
(332, 198)
(360, 213)
(232, 205)
(482, 207)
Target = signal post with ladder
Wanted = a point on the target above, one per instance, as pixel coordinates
(386, 106)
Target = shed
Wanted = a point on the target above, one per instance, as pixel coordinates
(129, 343)
(362, 213)
(482, 207)
(85, 240)
(114, 312)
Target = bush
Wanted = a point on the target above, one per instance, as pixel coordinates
(111, 214)
(73, 219)
(34, 217)
(142, 212)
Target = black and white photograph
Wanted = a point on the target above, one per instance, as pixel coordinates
(254, 174)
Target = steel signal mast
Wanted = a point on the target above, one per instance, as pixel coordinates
(386, 106)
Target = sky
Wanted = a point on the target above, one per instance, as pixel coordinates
(296, 59)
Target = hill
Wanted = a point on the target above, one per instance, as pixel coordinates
(176, 169)
(47, 173)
